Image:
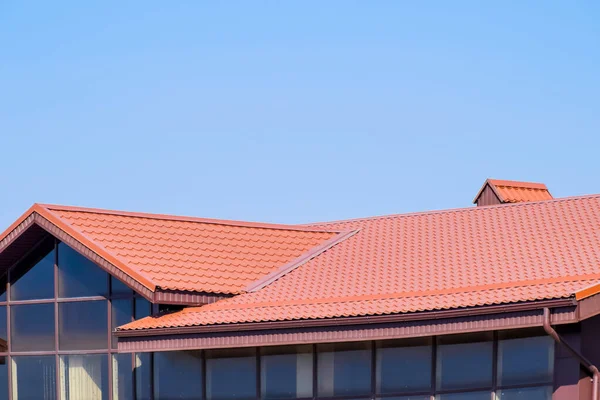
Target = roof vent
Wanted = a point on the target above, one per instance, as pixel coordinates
(495, 191)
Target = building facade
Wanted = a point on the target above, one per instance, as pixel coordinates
(491, 302)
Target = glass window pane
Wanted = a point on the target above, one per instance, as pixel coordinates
(3, 378)
(143, 376)
(539, 393)
(143, 308)
(84, 377)
(119, 288)
(123, 376)
(405, 398)
(287, 372)
(3, 333)
(83, 325)
(34, 277)
(78, 276)
(464, 362)
(465, 396)
(121, 313)
(525, 360)
(344, 369)
(32, 327)
(3, 288)
(178, 375)
(404, 366)
(226, 366)
(34, 377)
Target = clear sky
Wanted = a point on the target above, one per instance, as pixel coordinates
(294, 111)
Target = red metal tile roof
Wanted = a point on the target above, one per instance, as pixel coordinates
(516, 192)
(428, 261)
(191, 254)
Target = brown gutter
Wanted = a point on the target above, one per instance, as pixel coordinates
(349, 321)
(582, 360)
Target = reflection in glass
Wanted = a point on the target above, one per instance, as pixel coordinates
(34, 377)
(465, 396)
(226, 366)
(525, 360)
(121, 313)
(83, 325)
(3, 378)
(3, 287)
(84, 377)
(32, 327)
(143, 376)
(118, 288)
(78, 276)
(464, 362)
(538, 393)
(406, 398)
(344, 369)
(286, 372)
(3, 332)
(143, 308)
(122, 376)
(177, 375)
(404, 366)
(34, 277)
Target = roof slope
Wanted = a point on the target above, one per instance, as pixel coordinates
(188, 254)
(428, 261)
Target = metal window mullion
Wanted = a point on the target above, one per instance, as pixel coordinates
(434, 356)
(109, 313)
(56, 321)
(258, 374)
(315, 368)
(373, 367)
(494, 365)
(203, 372)
(8, 337)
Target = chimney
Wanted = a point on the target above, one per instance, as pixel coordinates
(495, 191)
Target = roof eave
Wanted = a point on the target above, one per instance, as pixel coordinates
(350, 321)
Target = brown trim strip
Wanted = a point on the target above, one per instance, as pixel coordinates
(349, 321)
(304, 258)
(346, 333)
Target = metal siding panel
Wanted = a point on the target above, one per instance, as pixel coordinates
(488, 197)
(186, 298)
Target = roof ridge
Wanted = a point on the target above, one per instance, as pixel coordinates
(454, 210)
(180, 218)
(518, 184)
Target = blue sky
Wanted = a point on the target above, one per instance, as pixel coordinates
(294, 111)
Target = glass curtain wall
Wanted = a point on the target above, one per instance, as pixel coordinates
(57, 311)
(515, 365)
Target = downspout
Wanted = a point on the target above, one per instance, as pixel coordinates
(584, 361)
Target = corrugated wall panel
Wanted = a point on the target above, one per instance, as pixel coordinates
(488, 197)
